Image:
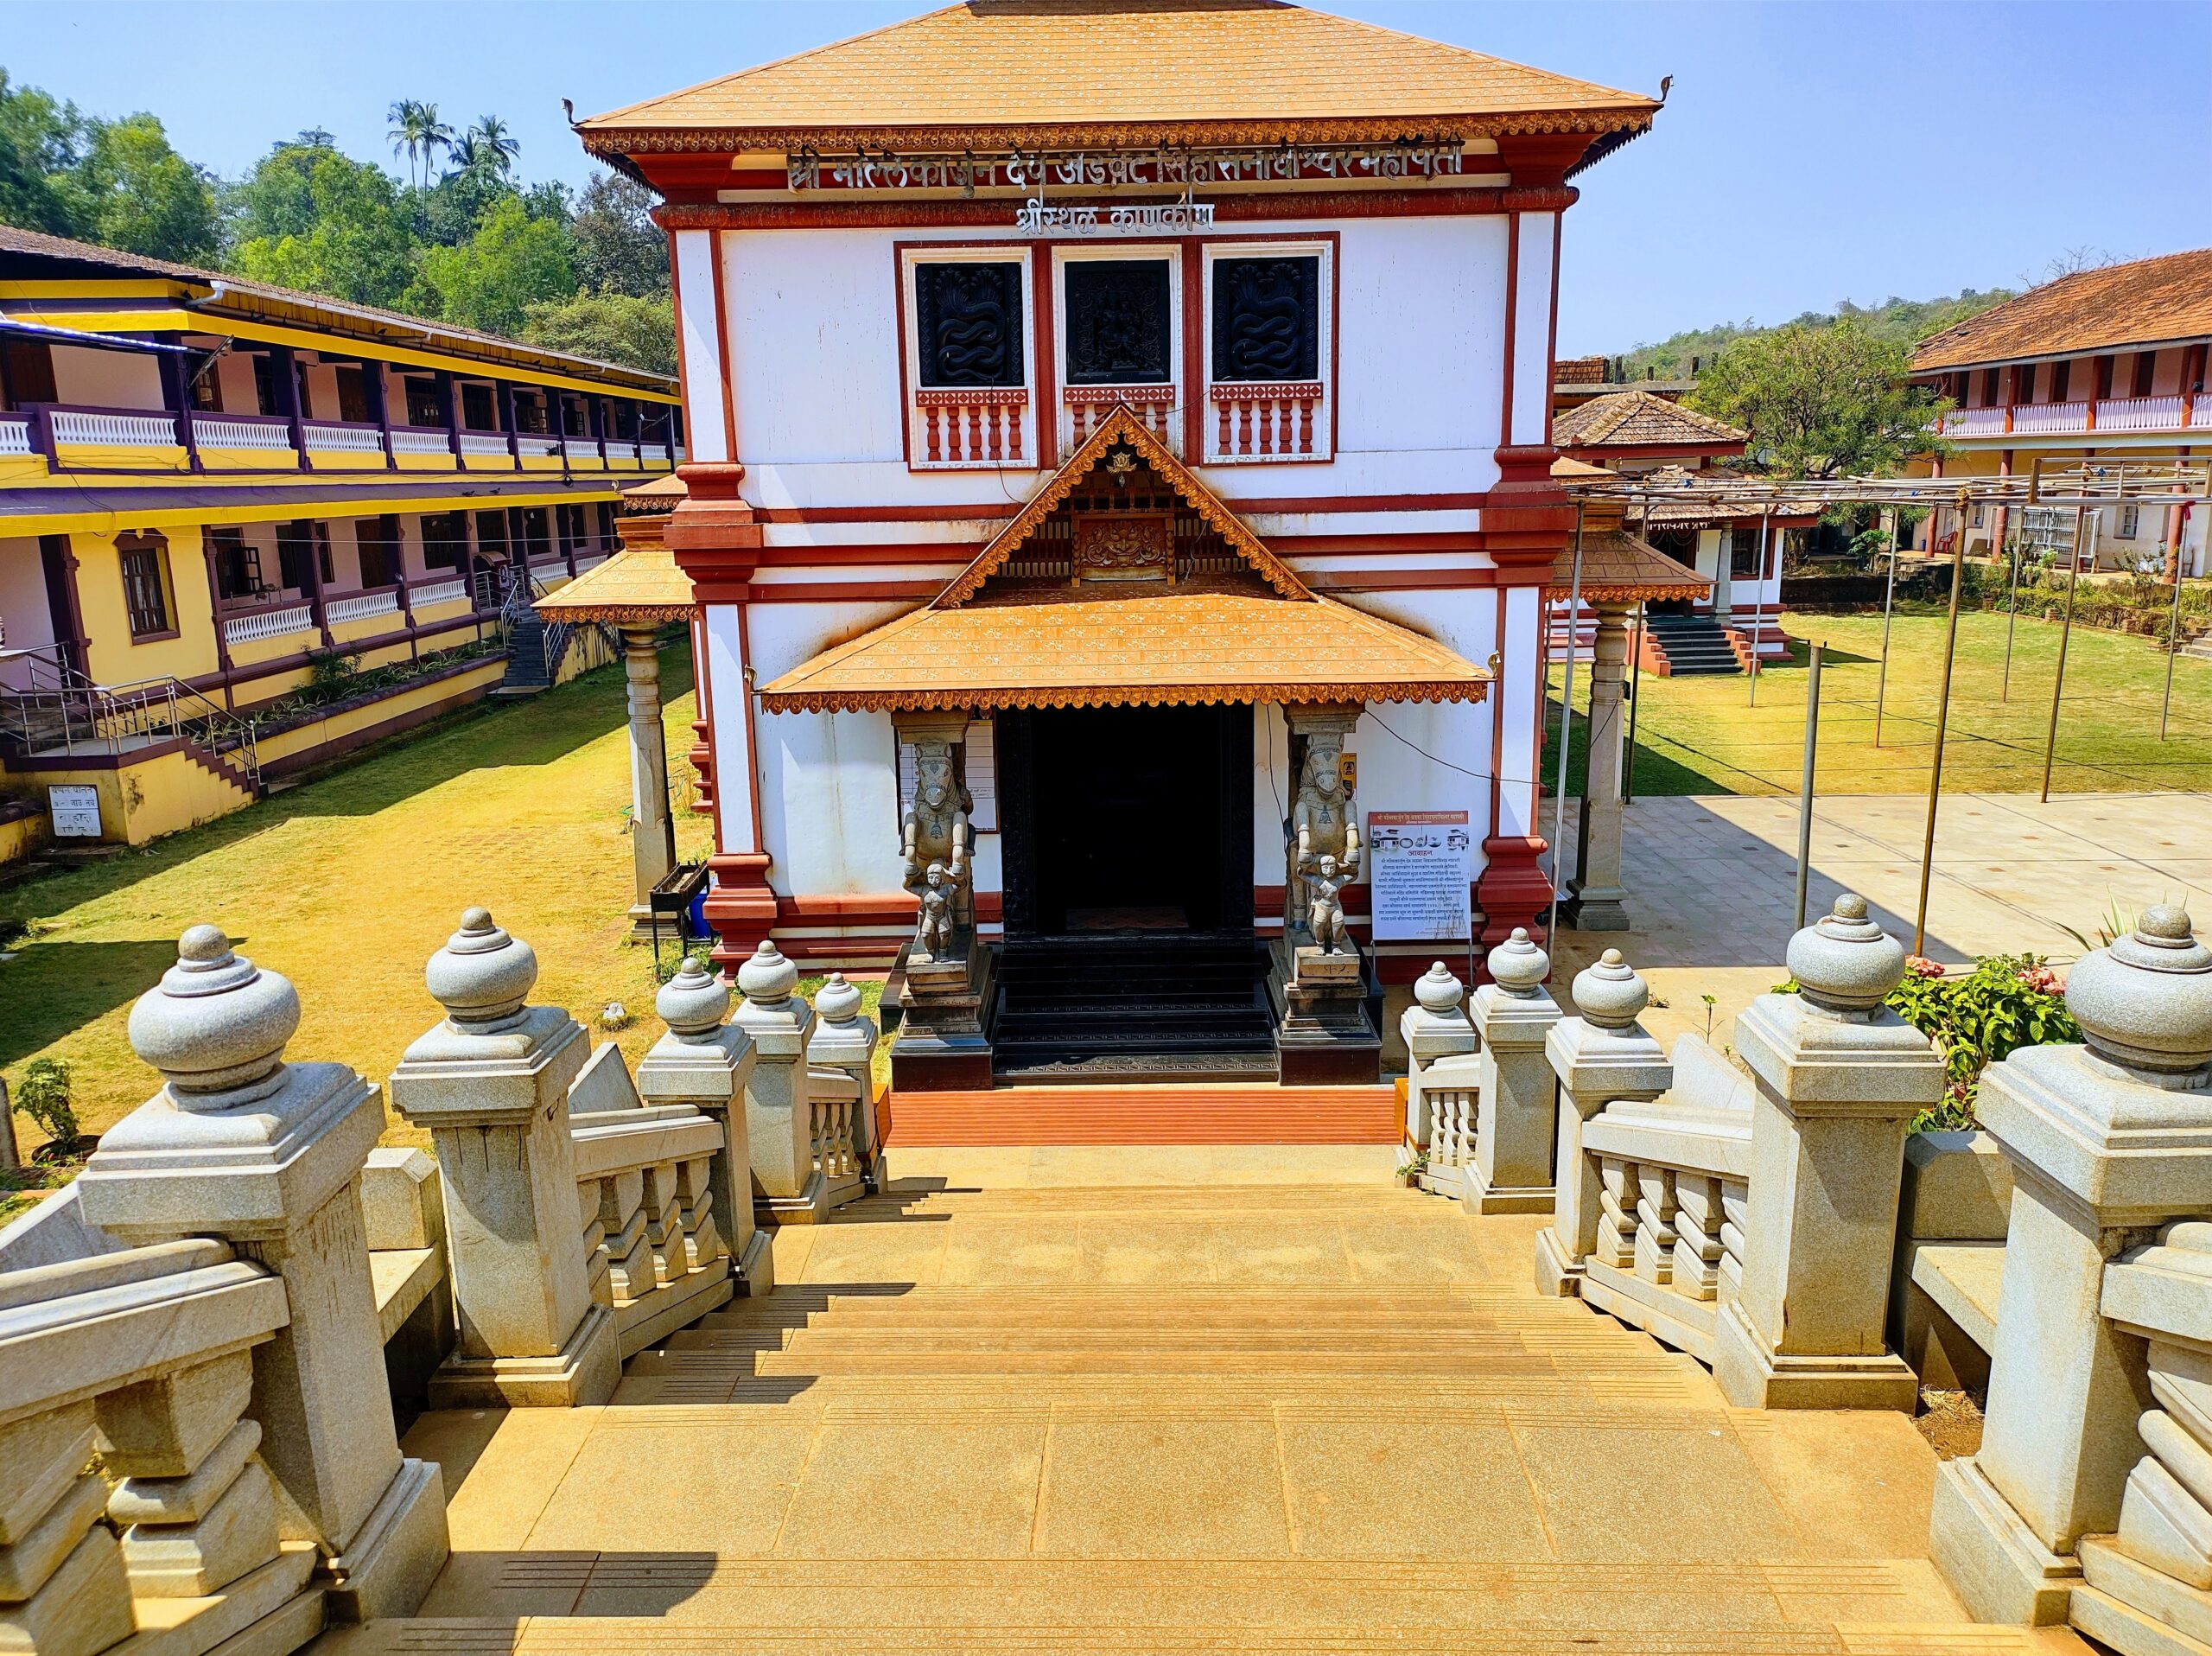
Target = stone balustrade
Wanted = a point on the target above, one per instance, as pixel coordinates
(1517, 1107)
(2089, 1497)
(840, 1063)
(809, 1101)
(1443, 1080)
(1750, 1221)
(219, 1327)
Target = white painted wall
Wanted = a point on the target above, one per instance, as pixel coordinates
(106, 378)
(26, 620)
(1532, 313)
(703, 362)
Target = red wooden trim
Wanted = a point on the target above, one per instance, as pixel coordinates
(838, 592)
(1046, 343)
(1506, 435)
(994, 512)
(1451, 201)
(728, 365)
(1197, 364)
(906, 389)
(1398, 580)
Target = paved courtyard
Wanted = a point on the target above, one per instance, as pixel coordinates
(1714, 880)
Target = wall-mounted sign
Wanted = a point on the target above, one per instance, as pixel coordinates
(1419, 865)
(1151, 217)
(969, 171)
(1348, 772)
(75, 810)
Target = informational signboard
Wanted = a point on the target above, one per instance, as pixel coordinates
(75, 810)
(1418, 871)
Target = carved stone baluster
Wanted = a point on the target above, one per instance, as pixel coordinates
(664, 1224)
(1619, 1186)
(589, 1196)
(1735, 1213)
(704, 1062)
(67, 1589)
(629, 1251)
(993, 415)
(1696, 1263)
(1654, 1225)
(702, 1241)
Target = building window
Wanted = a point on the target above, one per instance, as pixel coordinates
(2023, 383)
(237, 566)
(354, 393)
(2062, 377)
(530, 412)
(1266, 318)
(2146, 369)
(445, 540)
(478, 411)
(295, 542)
(2131, 520)
(146, 584)
(376, 540)
(1744, 555)
(422, 406)
(1989, 389)
(1119, 323)
(968, 324)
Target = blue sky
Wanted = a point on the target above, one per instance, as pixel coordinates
(1808, 153)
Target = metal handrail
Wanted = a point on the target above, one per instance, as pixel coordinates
(62, 708)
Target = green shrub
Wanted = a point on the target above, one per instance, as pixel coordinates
(2007, 1002)
(44, 1094)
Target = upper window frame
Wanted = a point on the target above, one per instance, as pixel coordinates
(1244, 446)
(938, 425)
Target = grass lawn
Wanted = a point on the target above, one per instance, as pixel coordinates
(1703, 736)
(347, 884)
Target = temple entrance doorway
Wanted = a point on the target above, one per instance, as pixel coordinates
(1127, 834)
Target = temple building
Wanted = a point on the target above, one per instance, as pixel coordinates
(211, 490)
(2104, 364)
(1120, 517)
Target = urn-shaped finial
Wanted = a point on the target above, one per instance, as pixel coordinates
(837, 1001)
(2146, 1002)
(482, 975)
(1517, 965)
(694, 1001)
(766, 977)
(216, 1025)
(1844, 961)
(1438, 990)
(1611, 995)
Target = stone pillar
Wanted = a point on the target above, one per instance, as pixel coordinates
(1515, 1128)
(2107, 1142)
(1600, 1055)
(844, 1043)
(268, 1156)
(1596, 890)
(787, 1187)
(1840, 1079)
(1435, 1029)
(1724, 573)
(706, 1062)
(491, 1082)
(652, 830)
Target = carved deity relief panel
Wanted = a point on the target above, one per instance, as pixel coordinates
(1266, 318)
(1118, 322)
(968, 324)
(1124, 548)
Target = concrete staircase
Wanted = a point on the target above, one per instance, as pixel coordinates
(528, 672)
(987, 1414)
(1685, 645)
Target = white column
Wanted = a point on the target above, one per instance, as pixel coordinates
(705, 362)
(1532, 329)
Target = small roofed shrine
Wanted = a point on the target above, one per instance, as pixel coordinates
(1116, 632)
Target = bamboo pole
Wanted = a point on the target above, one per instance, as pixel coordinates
(2065, 636)
(2011, 620)
(1634, 701)
(1942, 722)
(1805, 788)
(1889, 603)
(1566, 731)
(2173, 648)
(1758, 590)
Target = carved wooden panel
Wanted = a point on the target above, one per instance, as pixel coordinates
(1124, 548)
(1266, 318)
(968, 321)
(1118, 320)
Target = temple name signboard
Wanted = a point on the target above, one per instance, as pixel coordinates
(1418, 875)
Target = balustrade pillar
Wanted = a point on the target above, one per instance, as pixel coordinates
(841, 1054)
(1515, 1125)
(652, 830)
(268, 1156)
(490, 1083)
(787, 1187)
(1440, 1046)
(1596, 889)
(2108, 1140)
(1839, 1077)
(1599, 1054)
(706, 1062)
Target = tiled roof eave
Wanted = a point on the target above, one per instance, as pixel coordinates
(956, 699)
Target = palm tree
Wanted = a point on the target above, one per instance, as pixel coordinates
(492, 148)
(418, 132)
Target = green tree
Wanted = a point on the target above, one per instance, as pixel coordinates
(145, 198)
(618, 247)
(41, 149)
(1819, 399)
(315, 219)
(512, 262)
(636, 330)
(417, 131)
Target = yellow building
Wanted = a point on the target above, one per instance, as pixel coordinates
(243, 529)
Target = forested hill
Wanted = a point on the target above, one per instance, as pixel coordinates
(1906, 320)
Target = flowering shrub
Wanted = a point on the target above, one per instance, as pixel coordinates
(2007, 1002)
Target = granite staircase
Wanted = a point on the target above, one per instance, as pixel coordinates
(1121, 1008)
(981, 1415)
(1688, 646)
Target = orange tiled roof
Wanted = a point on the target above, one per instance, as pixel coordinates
(1617, 565)
(637, 584)
(1150, 71)
(1636, 418)
(2149, 301)
(1066, 646)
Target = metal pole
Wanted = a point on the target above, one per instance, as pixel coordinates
(2173, 638)
(1805, 788)
(1565, 726)
(1889, 601)
(1758, 591)
(2011, 619)
(2065, 635)
(1635, 700)
(1943, 720)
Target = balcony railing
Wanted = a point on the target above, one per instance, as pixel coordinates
(970, 425)
(360, 606)
(1085, 407)
(242, 431)
(437, 592)
(342, 437)
(273, 622)
(112, 427)
(2120, 415)
(420, 439)
(1974, 423)
(1269, 420)
(16, 435)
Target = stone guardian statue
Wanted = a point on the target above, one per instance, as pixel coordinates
(936, 830)
(1322, 824)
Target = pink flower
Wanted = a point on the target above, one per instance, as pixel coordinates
(1921, 966)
